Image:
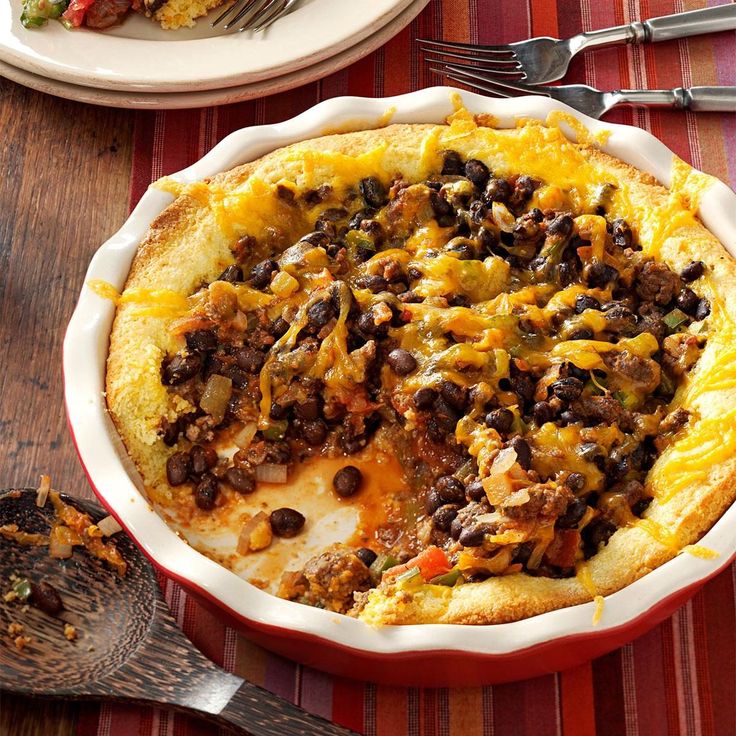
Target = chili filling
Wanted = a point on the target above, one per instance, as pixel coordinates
(518, 357)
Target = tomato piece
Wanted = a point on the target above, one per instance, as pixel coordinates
(431, 562)
(563, 549)
(106, 13)
(74, 14)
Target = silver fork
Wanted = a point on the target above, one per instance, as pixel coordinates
(595, 103)
(254, 14)
(543, 60)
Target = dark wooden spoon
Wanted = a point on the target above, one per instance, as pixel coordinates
(129, 646)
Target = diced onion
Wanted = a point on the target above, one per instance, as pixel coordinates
(504, 461)
(502, 217)
(244, 436)
(43, 491)
(109, 526)
(59, 550)
(245, 539)
(271, 473)
(517, 498)
(216, 395)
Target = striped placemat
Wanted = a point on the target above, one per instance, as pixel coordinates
(680, 678)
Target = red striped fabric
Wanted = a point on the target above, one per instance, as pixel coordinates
(677, 680)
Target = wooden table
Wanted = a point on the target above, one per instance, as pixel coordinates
(64, 190)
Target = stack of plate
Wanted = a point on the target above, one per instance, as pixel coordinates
(139, 65)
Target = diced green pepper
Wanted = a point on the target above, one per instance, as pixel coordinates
(409, 574)
(381, 564)
(23, 589)
(276, 430)
(627, 399)
(37, 12)
(449, 578)
(675, 318)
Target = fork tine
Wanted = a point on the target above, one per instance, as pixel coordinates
(269, 14)
(480, 50)
(477, 85)
(471, 57)
(254, 7)
(492, 67)
(246, 8)
(516, 86)
(489, 87)
(227, 11)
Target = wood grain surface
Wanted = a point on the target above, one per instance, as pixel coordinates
(63, 190)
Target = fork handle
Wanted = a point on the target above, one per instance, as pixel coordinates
(698, 99)
(664, 28)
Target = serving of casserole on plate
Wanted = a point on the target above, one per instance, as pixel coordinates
(464, 373)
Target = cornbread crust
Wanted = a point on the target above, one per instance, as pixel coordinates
(692, 482)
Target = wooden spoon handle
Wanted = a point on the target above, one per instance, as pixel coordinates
(259, 713)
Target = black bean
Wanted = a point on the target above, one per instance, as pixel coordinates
(573, 513)
(463, 248)
(374, 193)
(523, 452)
(367, 325)
(201, 341)
(232, 274)
(45, 597)
(472, 536)
(260, 275)
(567, 273)
(582, 333)
(241, 480)
(456, 396)
(444, 516)
(450, 489)
(250, 359)
(575, 482)
(237, 375)
(641, 506)
(366, 556)
(452, 163)
(347, 481)
(319, 238)
(286, 522)
(688, 301)
(308, 409)
(543, 412)
(456, 528)
(205, 494)
(443, 211)
(278, 411)
(433, 501)
(178, 467)
(475, 491)
(598, 532)
(181, 368)
(585, 301)
(477, 172)
(373, 282)
(320, 313)
(561, 227)
(599, 274)
(401, 362)
(314, 432)
(692, 271)
(567, 389)
(497, 190)
(568, 417)
(424, 398)
(500, 420)
(590, 451)
(203, 458)
(279, 327)
(703, 309)
(621, 233)
(436, 430)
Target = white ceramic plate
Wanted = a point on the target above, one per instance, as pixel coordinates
(206, 98)
(139, 56)
(117, 483)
